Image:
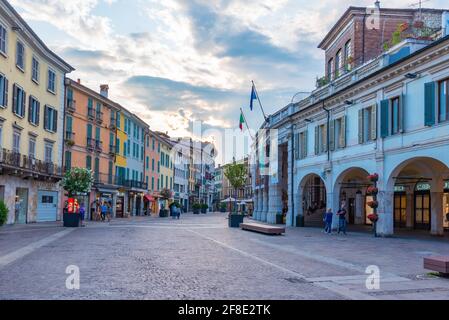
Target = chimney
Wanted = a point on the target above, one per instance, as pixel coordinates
(377, 4)
(79, 81)
(104, 90)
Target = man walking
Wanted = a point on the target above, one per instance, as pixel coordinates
(342, 220)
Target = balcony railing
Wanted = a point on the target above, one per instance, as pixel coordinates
(99, 116)
(14, 160)
(69, 136)
(98, 146)
(71, 105)
(112, 149)
(90, 144)
(113, 124)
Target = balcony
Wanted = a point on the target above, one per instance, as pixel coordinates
(98, 146)
(14, 163)
(113, 124)
(90, 144)
(99, 117)
(91, 113)
(71, 106)
(112, 150)
(69, 138)
(133, 184)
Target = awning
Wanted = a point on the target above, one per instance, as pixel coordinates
(150, 198)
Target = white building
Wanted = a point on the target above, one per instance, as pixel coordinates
(389, 116)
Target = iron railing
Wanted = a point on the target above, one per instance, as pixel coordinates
(15, 160)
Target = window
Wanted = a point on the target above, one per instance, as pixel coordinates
(4, 86)
(20, 55)
(18, 101)
(48, 152)
(89, 162)
(50, 119)
(35, 70)
(117, 146)
(301, 145)
(33, 111)
(152, 183)
(152, 165)
(395, 116)
(3, 39)
(154, 144)
(368, 124)
(1, 135)
(16, 141)
(321, 139)
(118, 120)
(51, 81)
(330, 70)
(148, 163)
(443, 101)
(32, 148)
(338, 135)
(338, 64)
(348, 56)
(163, 159)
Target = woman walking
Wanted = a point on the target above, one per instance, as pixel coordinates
(328, 218)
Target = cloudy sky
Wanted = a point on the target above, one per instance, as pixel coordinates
(174, 61)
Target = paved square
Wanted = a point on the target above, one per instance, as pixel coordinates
(199, 257)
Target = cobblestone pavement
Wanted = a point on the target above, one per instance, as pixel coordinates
(198, 257)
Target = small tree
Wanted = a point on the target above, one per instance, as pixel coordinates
(166, 195)
(77, 180)
(3, 213)
(237, 175)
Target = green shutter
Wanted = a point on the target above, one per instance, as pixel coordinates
(343, 132)
(429, 103)
(361, 141)
(69, 124)
(305, 150)
(384, 118)
(401, 113)
(332, 135)
(88, 162)
(374, 122)
(296, 146)
(317, 140)
(89, 131)
(97, 134)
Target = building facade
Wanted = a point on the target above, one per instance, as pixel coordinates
(181, 154)
(152, 171)
(166, 168)
(388, 117)
(31, 122)
(90, 141)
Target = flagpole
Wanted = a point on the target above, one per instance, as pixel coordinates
(260, 103)
(246, 122)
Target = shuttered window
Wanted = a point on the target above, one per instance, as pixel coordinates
(33, 111)
(50, 119)
(68, 160)
(429, 103)
(4, 86)
(443, 101)
(368, 124)
(301, 145)
(19, 98)
(337, 138)
(321, 139)
(89, 162)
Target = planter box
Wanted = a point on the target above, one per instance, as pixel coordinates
(196, 211)
(163, 213)
(300, 222)
(279, 219)
(204, 211)
(235, 220)
(71, 220)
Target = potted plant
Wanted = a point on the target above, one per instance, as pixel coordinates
(3, 213)
(165, 195)
(373, 217)
(373, 177)
(204, 208)
(196, 208)
(373, 204)
(223, 207)
(237, 175)
(75, 181)
(372, 191)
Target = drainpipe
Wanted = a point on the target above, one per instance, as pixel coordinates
(328, 131)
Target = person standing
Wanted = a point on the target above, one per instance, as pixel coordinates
(328, 218)
(342, 220)
(104, 211)
(109, 212)
(82, 212)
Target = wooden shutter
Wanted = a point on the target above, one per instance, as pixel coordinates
(5, 97)
(55, 120)
(361, 126)
(88, 162)
(22, 107)
(384, 118)
(30, 109)
(14, 98)
(38, 112)
(297, 146)
(430, 103)
(401, 113)
(69, 124)
(305, 144)
(374, 122)
(317, 140)
(343, 132)
(332, 135)
(46, 118)
(89, 131)
(325, 138)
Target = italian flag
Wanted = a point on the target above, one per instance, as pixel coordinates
(242, 121)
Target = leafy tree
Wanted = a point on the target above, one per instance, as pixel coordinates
(78, 180)
(3, 213)
(237, 175)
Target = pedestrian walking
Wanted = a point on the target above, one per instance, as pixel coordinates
(109, 212)
(328, 218)
(104, 211)
(82, 212)
(178, 212)
(342, 220)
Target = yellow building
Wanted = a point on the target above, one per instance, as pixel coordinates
(31, 121)
(165, 164)
(121, 163)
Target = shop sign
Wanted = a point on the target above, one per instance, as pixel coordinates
(399, 188)
(423, 186)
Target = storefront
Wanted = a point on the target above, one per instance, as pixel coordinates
(400, 206)
(423, 210)
(446, 205)
(120, 205)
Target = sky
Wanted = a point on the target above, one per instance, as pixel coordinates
(176, 61)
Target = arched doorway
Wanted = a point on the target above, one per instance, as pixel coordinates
(421, 195)
(350, 190)
(314, 200)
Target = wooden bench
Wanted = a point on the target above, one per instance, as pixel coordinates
(263, 228)
(438, 264)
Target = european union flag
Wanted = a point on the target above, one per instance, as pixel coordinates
(253, 97)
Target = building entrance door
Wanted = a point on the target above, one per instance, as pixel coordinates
(351, 208)
(120, 207)
(422, 210)
(400, 210)
(21, 206)
(446, 208)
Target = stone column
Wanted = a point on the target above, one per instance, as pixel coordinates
(437, 227)
(134, 206)
(385, 226)
(410, 205)
(275, 205)
(290, 221)
(266, 204)
(114, 206)
(260, 204)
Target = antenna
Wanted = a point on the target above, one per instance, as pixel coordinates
(419, 4)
